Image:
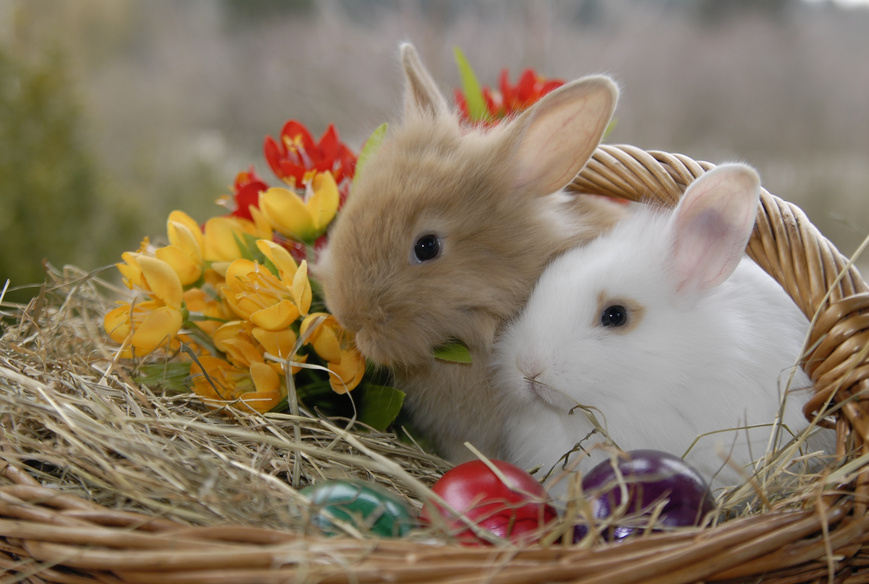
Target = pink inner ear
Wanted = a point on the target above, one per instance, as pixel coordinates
(552, 157)
(705, 254)
(560, 133)
(712, 225)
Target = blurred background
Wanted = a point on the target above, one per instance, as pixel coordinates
(115, 112)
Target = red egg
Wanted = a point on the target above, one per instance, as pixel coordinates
(516, 509)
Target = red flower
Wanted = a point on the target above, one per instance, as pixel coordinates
(296, 154)
(512, 99)
(246, 192)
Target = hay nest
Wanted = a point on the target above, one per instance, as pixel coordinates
(105, 479)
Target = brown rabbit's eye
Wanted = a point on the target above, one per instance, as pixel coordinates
(614, 316)
(426, 248)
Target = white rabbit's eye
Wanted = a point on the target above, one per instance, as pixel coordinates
(426, 248)
(614, 316)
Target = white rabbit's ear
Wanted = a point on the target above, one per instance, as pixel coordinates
(558, 134)
(422, 96)
(712, 225)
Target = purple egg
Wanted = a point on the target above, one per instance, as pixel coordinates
(649, 477)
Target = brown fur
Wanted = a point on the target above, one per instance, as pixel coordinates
(489, 196)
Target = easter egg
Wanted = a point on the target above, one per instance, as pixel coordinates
(367, 506)
(648, 478)
(515, 508)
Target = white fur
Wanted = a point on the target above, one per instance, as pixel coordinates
(700, 359)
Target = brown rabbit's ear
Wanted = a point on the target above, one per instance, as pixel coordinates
(422, 97)
(556, 137)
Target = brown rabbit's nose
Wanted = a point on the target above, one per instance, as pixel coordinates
(365, 331)
(370, 345)
(356, 322)
(350, 318)
(346, 323)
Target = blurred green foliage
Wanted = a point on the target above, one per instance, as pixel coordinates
(61, 200)
(48, 181)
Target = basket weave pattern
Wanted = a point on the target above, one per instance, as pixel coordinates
(50, 537)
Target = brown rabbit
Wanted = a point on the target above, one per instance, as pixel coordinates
(445, 234)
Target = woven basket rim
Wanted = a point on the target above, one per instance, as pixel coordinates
(70, 539)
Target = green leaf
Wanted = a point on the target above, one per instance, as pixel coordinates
(282, 406)
(379, 405)
(455, 352)
(372, 145)
(171, 375)
(471, 88)
(243, 246)
(248, 248)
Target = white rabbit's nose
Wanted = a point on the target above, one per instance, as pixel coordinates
(538, 384)
(529, 368)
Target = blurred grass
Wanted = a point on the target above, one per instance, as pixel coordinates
(51, 202)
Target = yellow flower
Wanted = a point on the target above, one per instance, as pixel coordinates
(290, 274)
(256, 295)
(142, 327)
(130, 270)
(152, 275)
(262, 225)
(302, 219)
(207, 312)
(335, 346)
(219, 383)
(245, 344)
(184, 252)
(220, 240)
(270, 302)
(235, 340)
(180, 218)
(279, 343)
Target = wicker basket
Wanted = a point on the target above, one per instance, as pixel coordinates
(51, 537)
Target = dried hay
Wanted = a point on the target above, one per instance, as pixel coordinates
(77, 421)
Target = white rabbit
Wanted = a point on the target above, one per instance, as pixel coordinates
(667, 330)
